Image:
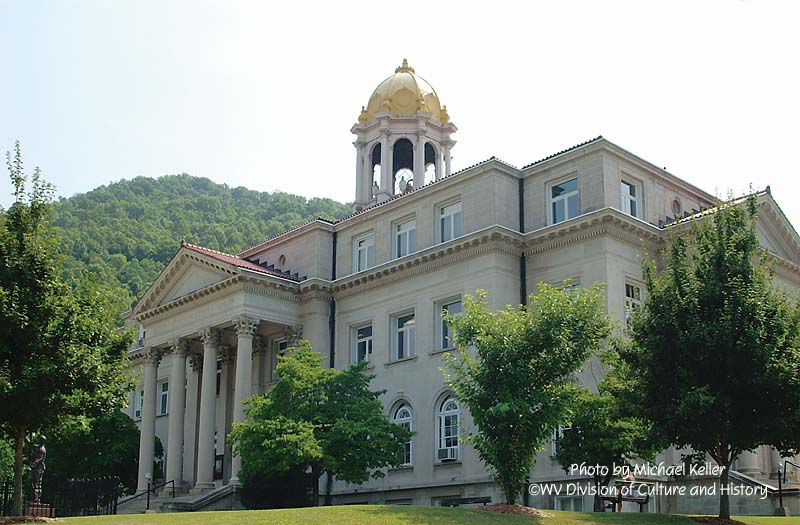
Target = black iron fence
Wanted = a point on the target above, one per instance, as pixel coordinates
(77, 497)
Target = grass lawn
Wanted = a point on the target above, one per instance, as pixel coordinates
(398, 515)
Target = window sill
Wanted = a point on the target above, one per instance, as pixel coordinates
(446, 463)
(162, 415)
(401, 468)
(403, 360)
(442, 351)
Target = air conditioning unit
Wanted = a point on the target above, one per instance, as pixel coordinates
(447, 454)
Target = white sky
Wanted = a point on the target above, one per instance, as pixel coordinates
(263, 94)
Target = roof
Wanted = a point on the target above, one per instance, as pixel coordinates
(576, 146)
(236, 261)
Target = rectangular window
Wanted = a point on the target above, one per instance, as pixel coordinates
(163, 398)
(574, 504)
(633, 300)
(405, 329)
(564, 201)
(560, 431)
(450, 222)
(138, 403)
(363, 343)
(445, 333)
(405, 238)
(630, 200)
(278, 349)
(364, 253)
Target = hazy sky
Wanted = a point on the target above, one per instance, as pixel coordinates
(263, 94)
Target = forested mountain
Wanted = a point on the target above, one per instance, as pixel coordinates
(124, 233)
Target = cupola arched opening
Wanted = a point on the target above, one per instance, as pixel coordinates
(402, 165)
(375, 168)
(430, 163)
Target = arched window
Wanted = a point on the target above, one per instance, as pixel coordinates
(430, 163)
(402, 166)
(404, 416)
(375, 161)
(449, 419)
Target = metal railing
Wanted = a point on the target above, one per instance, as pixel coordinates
(782, 480)
(151, 488)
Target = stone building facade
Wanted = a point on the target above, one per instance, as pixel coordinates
(372, 286)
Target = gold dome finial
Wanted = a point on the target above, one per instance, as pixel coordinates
(364, 116)
(404, 68)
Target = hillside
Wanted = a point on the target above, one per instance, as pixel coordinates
(124, 233)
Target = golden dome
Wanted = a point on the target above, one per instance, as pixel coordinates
(404, 93)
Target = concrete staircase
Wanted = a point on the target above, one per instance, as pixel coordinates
(222, 498)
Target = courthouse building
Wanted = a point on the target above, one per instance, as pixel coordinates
(372, 286)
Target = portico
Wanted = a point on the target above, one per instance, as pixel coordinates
(212, 335)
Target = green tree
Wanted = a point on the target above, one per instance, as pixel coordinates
(715, 353)
(106, 446)
(60, 354)
(536, 350)
(322, 420)
(599, 433)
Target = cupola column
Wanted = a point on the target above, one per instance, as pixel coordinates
(386, 189)
(419, 161)
(360, 193)
(447, 160)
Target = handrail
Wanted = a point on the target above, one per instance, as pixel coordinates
(781, 482)
(151, 487)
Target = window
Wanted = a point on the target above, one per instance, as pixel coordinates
(138, 403)
(445, 332)
(363, 339)
(405, 235)
(448, 428)
(163, 398)
(570, 286)
(278, 349)
(364, 253)
(219, 377)
(564, 201)
(630, 200)
(633, 300)
(450, 222)
(404, 417)
(405, 331)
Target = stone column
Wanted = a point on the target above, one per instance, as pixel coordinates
(190, 424)
(360, 193)
(775, 461)
(208, 411)
(419, 161)
(147, 435)
(386, 189)
(245, 328)
(747, 463)
(447, 160)
(177, 402)
(259, 355)
(227, 358)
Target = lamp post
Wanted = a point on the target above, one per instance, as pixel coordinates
(148, 477)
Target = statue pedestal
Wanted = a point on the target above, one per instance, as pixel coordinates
(40, 510)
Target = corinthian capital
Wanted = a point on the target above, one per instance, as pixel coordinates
(245, 325)
(180, 347)
(210, 336)
(152, 356)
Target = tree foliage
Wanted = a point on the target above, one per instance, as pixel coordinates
(60, 353)
(519, 382)
(601, 433)
(715, 352)
(324, 420)
(107, 446)
(124, 233)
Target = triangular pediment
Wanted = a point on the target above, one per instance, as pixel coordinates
(185, 273)
(775, 232)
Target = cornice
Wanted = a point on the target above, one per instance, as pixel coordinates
(606, 221)
(492, 239)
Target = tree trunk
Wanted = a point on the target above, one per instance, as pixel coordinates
(724, 503)
(19, 441)
(315, 474)
(328, 487)
(598, 500)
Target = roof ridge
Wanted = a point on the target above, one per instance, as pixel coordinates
(576, 146)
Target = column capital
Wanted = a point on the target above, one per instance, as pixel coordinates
(196, 360)
(210, 336)
(260, 345)
(293, 334)
(226, 354)
(180, 347)
(152, 356)
(245, 325)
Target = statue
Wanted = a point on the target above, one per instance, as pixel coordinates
(37, 468)
(401, 186)
(375, 189)
(409, 185)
